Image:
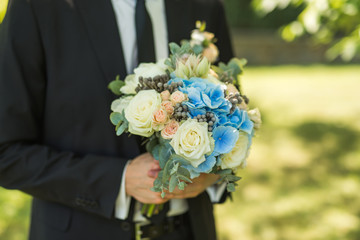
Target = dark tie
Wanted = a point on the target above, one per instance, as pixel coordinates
(144, 33)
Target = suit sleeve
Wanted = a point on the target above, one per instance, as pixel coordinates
(89, 182)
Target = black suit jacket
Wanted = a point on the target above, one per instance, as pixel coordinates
(56, 142)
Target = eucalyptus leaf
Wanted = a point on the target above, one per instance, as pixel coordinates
(198, 49)
(182, 177)
(232, 178)
(116, 117)
(230, 187)
(183, 171)
(174, 169)
(150, 145)
(173, 183)
(164, 154)
(115, 86)
(166, 174)
(121, 129)
(224, 172)
(174, 48)
(181, 185)
(156, 152)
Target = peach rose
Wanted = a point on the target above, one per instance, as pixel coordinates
(159, 119)
(168, 106)
(165, 95)
(170, 129)
(177, 97)
(211, 53)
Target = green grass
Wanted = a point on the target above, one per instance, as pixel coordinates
(303, 175)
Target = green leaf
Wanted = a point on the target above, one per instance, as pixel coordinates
(115, 85)
(174, 48)
(174, 169)
(150, 145)
(181, 185)
(120, 130)
(224, 172)
(179, 159)
(198, 49)
(164, 154)
(163, 194)
(232, 178)
(184, 178)
(183, 171)
(116, 117)
(166, 171)
(173, 183)
(230, 187)
(156, 152)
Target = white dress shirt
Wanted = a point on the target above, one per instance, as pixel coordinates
(125, 17)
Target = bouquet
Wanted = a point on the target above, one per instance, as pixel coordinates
(192, 114)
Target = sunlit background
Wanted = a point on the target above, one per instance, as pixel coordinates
(303, 175)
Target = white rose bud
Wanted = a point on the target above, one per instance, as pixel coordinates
(120, 104)
(193, 141)
(131, 83)
(255, 116)
(140, 111)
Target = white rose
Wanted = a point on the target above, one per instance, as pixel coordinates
(140, 110)
(145, 70)
(192, 141)
(130, 84)
(255, 116)
(120, 104)
(237, 156)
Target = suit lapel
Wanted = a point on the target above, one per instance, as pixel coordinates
(100, 22)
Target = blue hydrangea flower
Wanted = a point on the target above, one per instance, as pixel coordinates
(205, 167)
(225, 138)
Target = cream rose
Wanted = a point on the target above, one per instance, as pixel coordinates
(120, 104)
(255, 116)
(192, 141)
(143, 70)
(170, 129)
(131, 83)
(237, 156)
(140, 111)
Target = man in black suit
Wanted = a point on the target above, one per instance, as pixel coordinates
(56, 141)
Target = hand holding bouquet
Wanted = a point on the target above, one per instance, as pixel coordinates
(193, 115)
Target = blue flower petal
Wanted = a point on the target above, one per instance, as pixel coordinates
(247, 125)
(225, 138)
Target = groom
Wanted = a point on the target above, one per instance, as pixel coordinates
(56, 142)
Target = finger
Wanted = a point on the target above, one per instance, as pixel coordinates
(153, 173)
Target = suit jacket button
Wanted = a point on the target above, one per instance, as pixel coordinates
(125, 226)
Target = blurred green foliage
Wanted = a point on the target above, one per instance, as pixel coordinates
(3, 6)
(333, 22)
(241, 14)
(303, 175)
